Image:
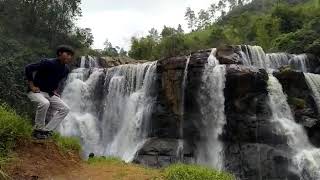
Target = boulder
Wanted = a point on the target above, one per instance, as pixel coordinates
(161, 152)
(228, 55)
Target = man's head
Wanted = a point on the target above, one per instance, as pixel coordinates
(65, 54)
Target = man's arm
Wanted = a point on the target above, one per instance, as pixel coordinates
(29, 70)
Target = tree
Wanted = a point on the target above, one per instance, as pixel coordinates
(123, 53)
(179, 29)
(168, 31)
(109, 50)
(203, 19)
(84, 36)
(190, 17)
(143, 48)
(212, 11)
(153, 33)
(221, 7)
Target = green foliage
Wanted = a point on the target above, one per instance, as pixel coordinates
(297, 42)
(105, 160)
(31, 30)
(67, 144)
(267, 28)
(12, 128)
(290, 19)
(290, 26)
(194, 172)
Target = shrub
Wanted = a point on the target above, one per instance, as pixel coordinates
(12, 128)
(67, 144)
(195, 172)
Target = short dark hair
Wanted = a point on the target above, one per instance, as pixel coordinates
(64, 48)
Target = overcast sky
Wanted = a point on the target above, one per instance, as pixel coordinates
(119, 20)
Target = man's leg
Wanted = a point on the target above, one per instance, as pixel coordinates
(42, 108)
(50, 114)
(62, 111)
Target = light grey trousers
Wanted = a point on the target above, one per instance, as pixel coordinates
(49, 109)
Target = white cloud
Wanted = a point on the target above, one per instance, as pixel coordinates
(120, 20)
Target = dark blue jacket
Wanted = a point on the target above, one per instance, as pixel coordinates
(47, 74)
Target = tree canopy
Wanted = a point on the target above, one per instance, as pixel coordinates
(276, 25)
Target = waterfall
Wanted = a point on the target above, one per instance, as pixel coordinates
(299, 62)
(313, 81)
(255, 56)
(118, 126)
(183, 87)
(127, 109)
(209, 148)
(306, 158)
(82, 119)
(277, 60)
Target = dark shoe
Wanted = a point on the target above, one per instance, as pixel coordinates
(38, 135)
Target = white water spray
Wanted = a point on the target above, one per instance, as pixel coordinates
(209, 149)
(81, 121)
(313, 81)
(306, 158)
(128, 107)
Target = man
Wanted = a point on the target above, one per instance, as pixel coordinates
(43, 79)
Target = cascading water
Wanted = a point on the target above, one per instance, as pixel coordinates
(127, 109)
(313, 81)
(82, 120)
(122, 126)
(277, 60)
(306, 158)
(255, 56)
(209, 149)
(299, 62)
(184, 83)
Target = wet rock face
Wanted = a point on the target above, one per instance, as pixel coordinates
(108, 62)
(247, 115)
(228, 55)
(259, 161)
(161, 152)
(301, 101)
(252, 148)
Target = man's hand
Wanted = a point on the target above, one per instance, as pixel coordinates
(56, 93)
(33, 88)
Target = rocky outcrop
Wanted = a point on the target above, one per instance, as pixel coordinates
(161, 152)
(228, 55)
(108, 62)
(104, 62)
(253, 149)
(249, 137)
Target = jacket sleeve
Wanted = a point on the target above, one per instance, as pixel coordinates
(31, 68)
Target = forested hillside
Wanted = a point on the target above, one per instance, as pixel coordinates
(29, 30)
(277, 25)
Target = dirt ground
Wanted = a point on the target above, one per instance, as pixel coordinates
(43, 160)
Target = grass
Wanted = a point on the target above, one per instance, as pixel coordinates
(194, 172)
(118, 169)
(67, 144)
(105, 160)
(12, 128)
(173, 172)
